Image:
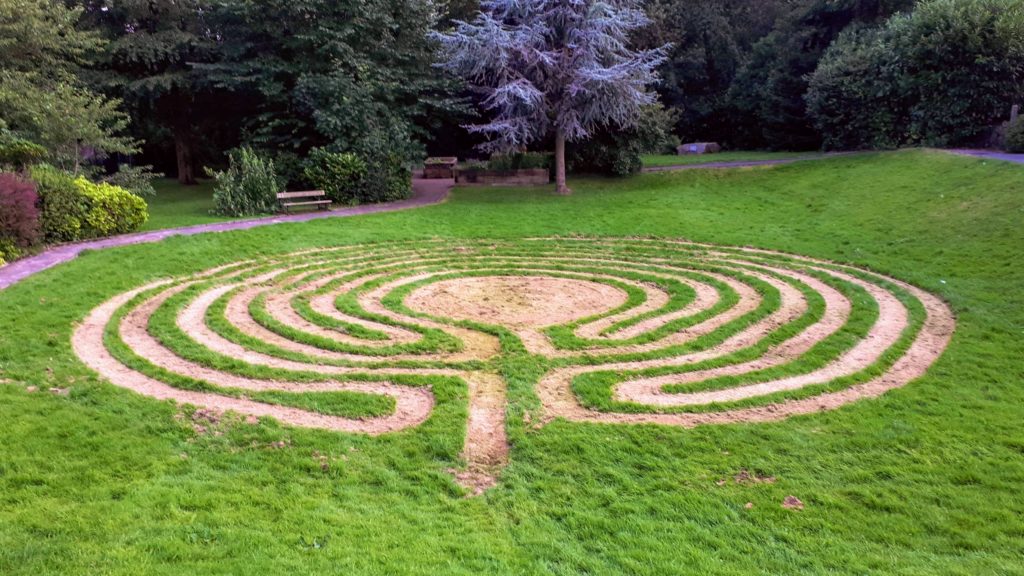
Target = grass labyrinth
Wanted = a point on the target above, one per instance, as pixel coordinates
(357, 339)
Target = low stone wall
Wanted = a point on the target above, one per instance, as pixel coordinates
(528, 177)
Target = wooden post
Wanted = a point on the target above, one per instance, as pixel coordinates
(1014, 112)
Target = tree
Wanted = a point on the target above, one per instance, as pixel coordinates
(561, 67)
(942, 75)
(42, 100)
(149, 62)
(767, 95)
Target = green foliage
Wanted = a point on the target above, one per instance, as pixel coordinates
(136, 179)
(41, 96)
(64, 207)
(341, 175)
(8, 251)
(388, 176)
(617, 152)
(942, 75)
(339, 75)
(1015, 136)
(766, 98)
(112, 210)
(520, 161)
(248, 187)
(17, 153)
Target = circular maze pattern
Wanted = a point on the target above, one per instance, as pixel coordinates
(626, 331)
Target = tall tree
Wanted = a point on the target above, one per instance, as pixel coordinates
(337, 73)
(561, 67)
(42, 51)
(150, 63)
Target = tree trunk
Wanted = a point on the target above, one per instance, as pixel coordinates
(560, 187)
(183, 150)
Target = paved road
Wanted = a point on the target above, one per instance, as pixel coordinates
(992, 155)
(425, 192)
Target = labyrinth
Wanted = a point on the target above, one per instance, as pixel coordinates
(625, 331)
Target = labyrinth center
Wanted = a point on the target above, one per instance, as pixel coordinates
(355, 339)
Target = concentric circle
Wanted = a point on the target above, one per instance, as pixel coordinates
(626, 330)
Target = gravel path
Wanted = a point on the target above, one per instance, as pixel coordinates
(425, 192)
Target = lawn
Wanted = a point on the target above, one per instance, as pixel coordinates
(653, 160)
(923, 480)
(175, 205)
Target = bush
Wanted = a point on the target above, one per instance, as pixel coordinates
(616, 152)
(942, 75)
(1015, 136)
(17, 153)
(248, 187)
(291, 171)
(63, 206)
(112, 209)
(520, 161)
(136, 179)
(341, 175)
(388, 176)
(19, 217)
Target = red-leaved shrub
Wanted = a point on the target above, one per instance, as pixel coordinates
(19, 215)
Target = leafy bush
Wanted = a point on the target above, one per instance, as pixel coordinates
(342, 175)
(18, 153)
(520, 161)
(63, 206)
(388, 176)
(19, 217)
(248, 187)
(112, 209)
(942, 75)
(617, 152)
(291, 171)
(136, 179)
(1015, 136)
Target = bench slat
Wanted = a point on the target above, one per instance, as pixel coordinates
(309, 203)
(306, 194)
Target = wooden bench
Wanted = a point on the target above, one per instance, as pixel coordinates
(316, 198)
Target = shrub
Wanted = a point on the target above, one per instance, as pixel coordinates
(112, 209)
(617, 152)
(19, 217)
(341, 175)
(1015, 136)
(520, 161)
(942, 75)
(136, 179)
(248, 187)
(18, 153)
(388, 176)
(291, 171)
(63, 206)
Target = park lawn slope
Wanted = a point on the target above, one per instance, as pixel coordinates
(658, 160)
(924, 480)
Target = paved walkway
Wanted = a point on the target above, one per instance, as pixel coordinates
(425, 192)
(991, 155)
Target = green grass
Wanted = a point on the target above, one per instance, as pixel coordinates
(651, 160)
(175, 205)
(924, 480)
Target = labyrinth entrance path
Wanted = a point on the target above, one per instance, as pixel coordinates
(624, 331)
